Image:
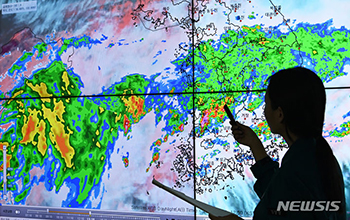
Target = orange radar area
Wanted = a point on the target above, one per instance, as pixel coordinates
(62, 145)
(29, 129)
(34, 126)
(8, 158)
(135, 106)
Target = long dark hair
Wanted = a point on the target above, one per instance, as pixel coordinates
(301, 95)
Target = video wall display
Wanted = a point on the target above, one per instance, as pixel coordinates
(100, 97)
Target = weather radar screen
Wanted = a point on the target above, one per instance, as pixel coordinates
(98, 97)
